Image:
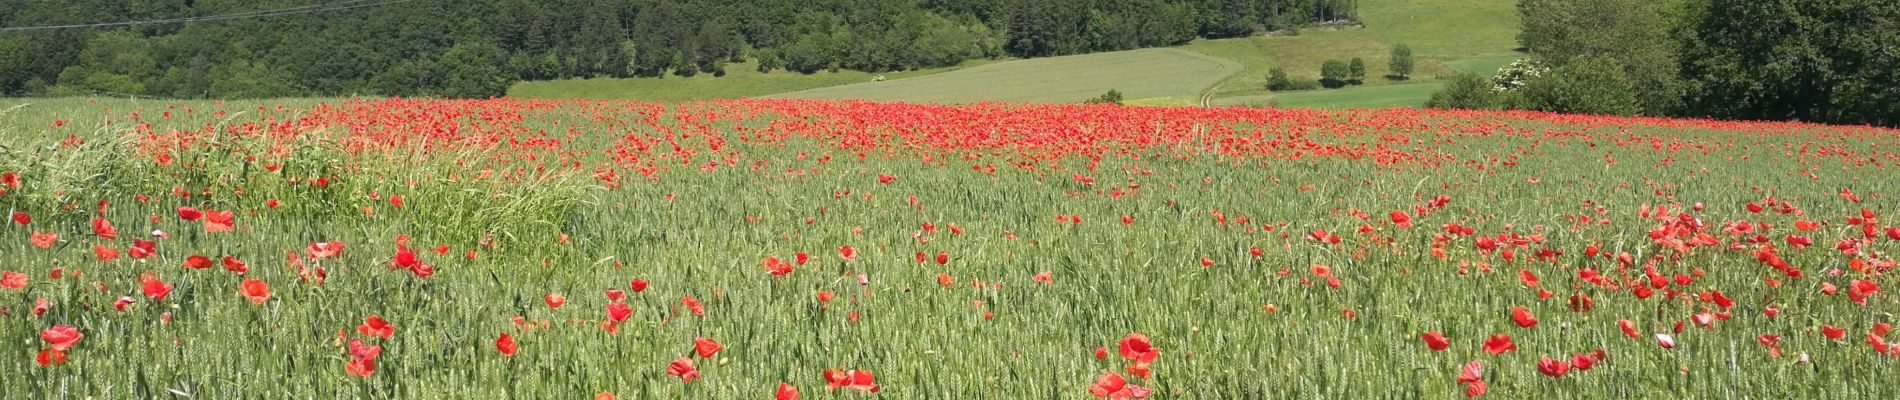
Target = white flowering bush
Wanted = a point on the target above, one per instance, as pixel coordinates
(1512, 77)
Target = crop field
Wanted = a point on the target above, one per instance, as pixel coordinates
(786, 248)
(1136, 73)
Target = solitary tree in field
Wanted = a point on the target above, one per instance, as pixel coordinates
(1357, 70)
(1401, 64)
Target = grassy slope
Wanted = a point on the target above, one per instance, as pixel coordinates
(1446, 36)
(741, 80)
(1148, 73)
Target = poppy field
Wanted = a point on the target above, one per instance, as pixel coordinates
(805, 249)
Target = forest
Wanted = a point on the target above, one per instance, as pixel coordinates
(477, 48)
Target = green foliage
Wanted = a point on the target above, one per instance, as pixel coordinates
(1334, 73)
(1401, 62)
(1815, 60)
(1465, 91)
(1356, 71)
(1277, 80)
(395, 49)
(1112, 97)
(1593, 85)
(472, 70)
(1630, 33)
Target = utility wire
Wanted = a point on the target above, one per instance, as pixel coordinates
(334, 6)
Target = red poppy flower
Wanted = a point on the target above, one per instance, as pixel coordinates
(12, 280)
(861, 381)
(197, 262)
(255, 290)
(1498, 344)
(218, 221)
(775, 267)
(49, 357)
(1552, 368)
(638, 285)
(360, 367)
(554, 300)
(1629, 328)
(1435, 341)
(824, 296)
(683, 368)
(847, 252)
(1137, 347)
(22, 218)
(103, 228)
(105, 253)
(375, 326)
(189, 214)
(1475, 389)
(1833, 332)
(618, 312)
(60, 337)
(232, 264)
(785, 391)
(1523, 317)
(693, 305)
(155, 289)
(506, 345)
(322, 250)
(1112, 386)
(615, 295)
(44, 239)
(706, 348)
(1401, 219)
(1582, 362)
(142, 248)
(1472, 372)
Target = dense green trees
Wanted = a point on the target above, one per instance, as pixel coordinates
(1810, 60)
(418, 48)
(1814, 60)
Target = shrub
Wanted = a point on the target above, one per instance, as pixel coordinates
(1277, 80)
(1334, 73)
(1592, 85)
(1465, 91)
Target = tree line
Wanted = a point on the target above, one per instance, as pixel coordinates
(1830, 61)
(477, 48)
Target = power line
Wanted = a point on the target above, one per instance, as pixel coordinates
(334, 6)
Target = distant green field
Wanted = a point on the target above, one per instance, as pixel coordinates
(1147, 73)
(1301, 56)
(1447, 36)
(742, 80)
